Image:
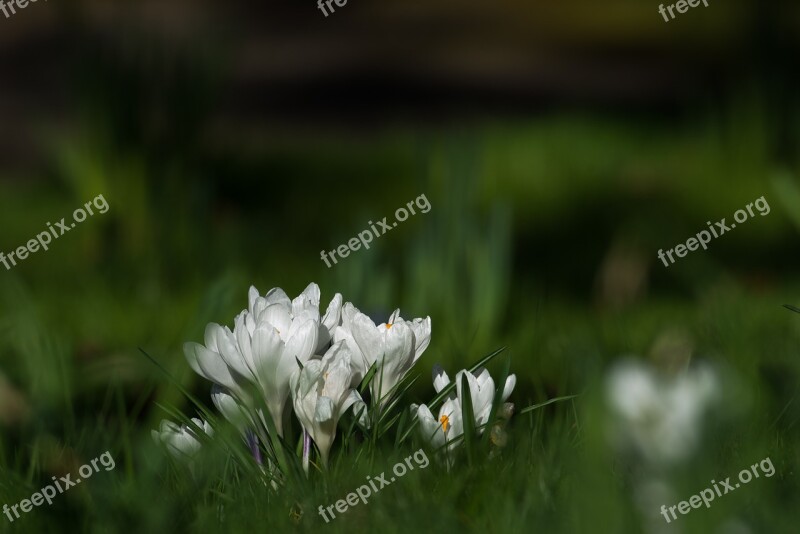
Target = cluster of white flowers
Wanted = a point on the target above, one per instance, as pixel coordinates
(281, 348)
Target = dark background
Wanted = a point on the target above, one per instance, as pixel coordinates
(561, 145)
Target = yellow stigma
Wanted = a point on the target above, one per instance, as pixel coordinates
(388, 326)
(445, 422)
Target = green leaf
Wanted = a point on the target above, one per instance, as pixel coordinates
(403, 418)
(368, 378)
(551, 401)
(468, 418)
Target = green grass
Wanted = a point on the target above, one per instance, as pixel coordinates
(523, 215)
(556, 471)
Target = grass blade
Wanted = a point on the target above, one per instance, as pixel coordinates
(468, 418)
(551, 401)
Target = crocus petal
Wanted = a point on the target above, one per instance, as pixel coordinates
(278, 296)
(329, 322)
(301, 344)
(397, 356)
(333, 314)
(482, 376)
(267, 348)
(440, 378)
(366, 336)
(473, 389)
(252, 296)
(422, 335)
(348, 314)
(337, 379)
(324, 410)
(511, 381)
(483, 400)
(302, 305)
(168, 426)
(352, 398)
(209, 365)
(213, 330)
(244, 342)
(278, 316)
(358, 361)
(267, 351)
(229, 407)
(229, 351)
(430, 428)
(312, 292)
(361, 411)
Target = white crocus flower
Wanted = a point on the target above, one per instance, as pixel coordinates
(657, 416)
(343, 332)
(481, 388)
(268, 339)
(230, 408)
(329, 321)
(181, 440)
(321, 393)
(395, 346)
(443, 429)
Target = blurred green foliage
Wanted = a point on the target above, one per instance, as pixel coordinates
(524, 215)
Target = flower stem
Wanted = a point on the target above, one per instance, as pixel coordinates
(306, 450)
(252, 442)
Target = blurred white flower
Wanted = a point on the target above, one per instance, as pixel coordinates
(268, 339)
(659, 417)
(181, 440)
(321, 393)
(395, 346)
